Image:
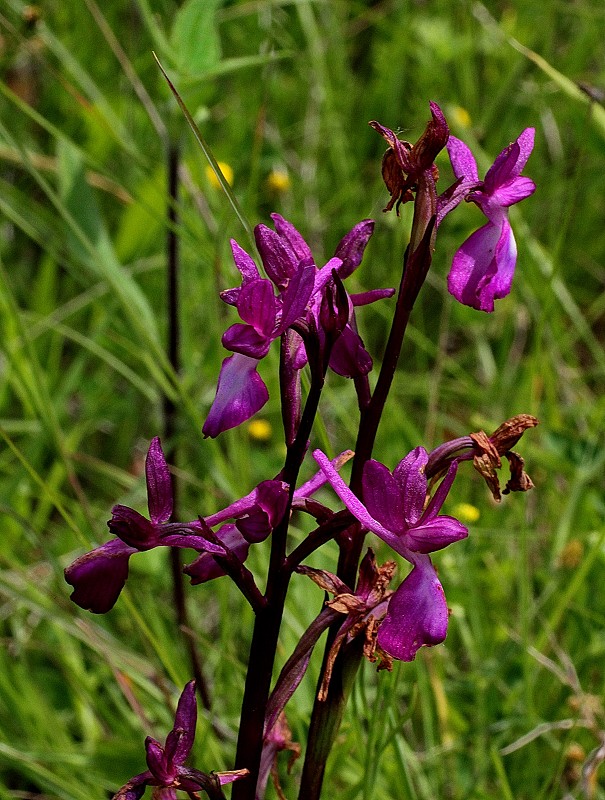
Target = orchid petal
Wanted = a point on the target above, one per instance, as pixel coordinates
(159, 483)
(260, 494)
(190, 541)
(240, 393)
(205, 568)
(319, 479)
(417, 614)
(365, 298)
(98, 577)
(180, 739)
(288, 232)
(475, 265)
(133, 528)
(435, 534)
(410, 477)
(382, 496)
(297, 295)
(135, 788)
(351, 247)
(279, 260)
(323, 276)
(349, 357)
(510, 161)
(246, 341)
(163, 772)
(462, 160)
(355, 506)
(438, 499)
(513, 192)
(257, 305)
(244, 262)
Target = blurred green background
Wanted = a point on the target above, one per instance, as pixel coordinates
(511, 705)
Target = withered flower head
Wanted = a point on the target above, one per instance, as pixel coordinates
(403, 163)
(489, 449)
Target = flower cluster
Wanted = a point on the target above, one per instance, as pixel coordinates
(296, 309)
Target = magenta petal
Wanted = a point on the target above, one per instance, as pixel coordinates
(365, 298)
(163, 773)
(288, 232)
(133, 528)
(319, 479)
(268, 494)
(257, 305)
(180, 739)
(410, 477)
(164, 793)
(349, 357)
(382, 496)
(279, 260)
(246, 341)
(438, 499)
(525, 141)
(135, 788)
(417, 614)
(351, 247)
(353, 503)
(510, 161)
(240, 393)
(244, 263)
(255, 526)
(473, 267)
(230, 296)
(462, 160)
(297, 294)
(159, 483)
(435, 534)
(514, 191)
(191, 541)
(272, 497)
(98, 577)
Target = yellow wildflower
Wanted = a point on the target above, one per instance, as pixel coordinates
(278, 180)
(260, 430)
(466, 513)
(227, 171)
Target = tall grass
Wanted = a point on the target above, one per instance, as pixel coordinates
(510, 707)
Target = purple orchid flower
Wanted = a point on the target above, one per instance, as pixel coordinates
(395, 511)
(98, 577)
(300, 285)
(482, 269)
(167, 771)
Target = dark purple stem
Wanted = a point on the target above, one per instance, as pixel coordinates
(268, 619)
